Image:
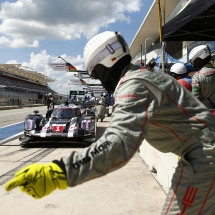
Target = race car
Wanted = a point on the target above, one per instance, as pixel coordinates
(63, 123)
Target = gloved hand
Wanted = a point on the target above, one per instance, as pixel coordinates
(39, 180)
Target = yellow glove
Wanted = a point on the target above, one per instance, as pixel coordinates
(39, 180)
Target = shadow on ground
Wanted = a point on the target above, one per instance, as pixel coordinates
(62, 144)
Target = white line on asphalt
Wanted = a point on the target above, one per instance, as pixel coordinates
(17, 112)
(12, 124)
(11, 137)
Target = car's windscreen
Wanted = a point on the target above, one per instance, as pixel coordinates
(62, 113)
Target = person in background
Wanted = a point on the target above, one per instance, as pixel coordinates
(151, 63)
(104, 100)
(110, 103)
(203, 81)
(180, 73)
(92, 98)
(49, 100)
(73, 98)
(52, 98)
(85, 98)
(100, 111)
(79, 99)
(148, 105)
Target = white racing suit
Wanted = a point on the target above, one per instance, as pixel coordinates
(154, 106)
(203, 85)
(104, 100)
(100, 111)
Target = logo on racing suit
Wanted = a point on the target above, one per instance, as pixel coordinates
(126, 96)
(97, 150)
(188, 198)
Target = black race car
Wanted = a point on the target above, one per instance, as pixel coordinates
(65, 122)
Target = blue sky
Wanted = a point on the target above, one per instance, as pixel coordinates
(34, 33)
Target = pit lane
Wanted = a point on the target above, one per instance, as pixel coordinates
(15, 154)
(94, 197)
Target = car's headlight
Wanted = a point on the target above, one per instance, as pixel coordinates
(88, 124)
(29, 124)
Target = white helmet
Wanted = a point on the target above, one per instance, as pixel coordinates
(150, 62)
(105, 56)
(200, 56)
(178, 68)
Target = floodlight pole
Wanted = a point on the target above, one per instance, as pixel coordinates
(141, 60)
(145, 47)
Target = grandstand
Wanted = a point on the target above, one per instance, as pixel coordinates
(19, 85)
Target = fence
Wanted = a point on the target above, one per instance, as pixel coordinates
(10, 102)
(14, 97)
(19, 103)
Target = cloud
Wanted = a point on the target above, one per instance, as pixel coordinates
(38, 62)
(25, 22)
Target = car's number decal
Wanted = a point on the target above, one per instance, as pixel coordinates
(58, 128)
(45, 128)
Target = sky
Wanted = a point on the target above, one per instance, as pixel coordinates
(35, 32)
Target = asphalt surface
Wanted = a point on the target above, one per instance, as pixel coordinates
(12, 122)
(132, 190)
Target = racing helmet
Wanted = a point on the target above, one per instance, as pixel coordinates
(150, 62)
(178, 68)
(105, 56)
(200, 56)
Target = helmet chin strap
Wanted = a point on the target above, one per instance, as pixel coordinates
(125, 70)
(110, 77)
(112, 82)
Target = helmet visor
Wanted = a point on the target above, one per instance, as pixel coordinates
(109, 49)
(174, 75)
(202, 54)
